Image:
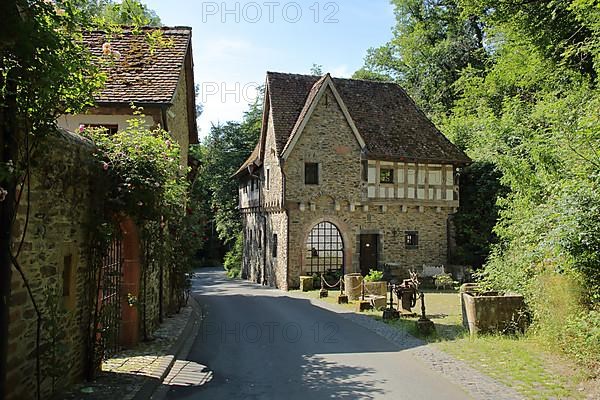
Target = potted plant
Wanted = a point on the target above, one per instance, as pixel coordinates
(374, 284)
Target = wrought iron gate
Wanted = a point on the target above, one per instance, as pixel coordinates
(110, 298)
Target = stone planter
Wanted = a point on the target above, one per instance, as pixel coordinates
(378, 288)
(490, 312)
(353, 285)
(306, 283)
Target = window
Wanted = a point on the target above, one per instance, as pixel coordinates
(275, 246)
(311, 173)
(324, 249)
(268, 182)
(252, 184)
(386, 175)
(110, 129)
(411, 240)
(259, 238)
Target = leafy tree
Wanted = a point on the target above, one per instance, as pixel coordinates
(316, 70)
(220, 155)
(127, 12)
(432, 43)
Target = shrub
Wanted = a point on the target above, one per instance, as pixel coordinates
(374, 276)
(233, 258)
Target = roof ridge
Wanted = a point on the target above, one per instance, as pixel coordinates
(336, 78)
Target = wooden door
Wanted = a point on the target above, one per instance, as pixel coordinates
(368, 252)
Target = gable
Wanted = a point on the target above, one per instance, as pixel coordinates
(323, 87)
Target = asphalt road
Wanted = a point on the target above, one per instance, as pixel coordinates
(258, 343)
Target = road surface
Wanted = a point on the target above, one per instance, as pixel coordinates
(258, 343)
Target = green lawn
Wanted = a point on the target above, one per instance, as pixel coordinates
(517, 361)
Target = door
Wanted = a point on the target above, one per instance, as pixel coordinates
(368, 252)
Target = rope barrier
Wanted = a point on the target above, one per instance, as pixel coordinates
(327, 283)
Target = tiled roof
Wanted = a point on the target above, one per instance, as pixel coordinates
(142, 73)
(390, 123)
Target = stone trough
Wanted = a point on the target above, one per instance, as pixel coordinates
(491, 312)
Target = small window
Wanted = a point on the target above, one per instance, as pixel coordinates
(67, 275)
(275, 246)
(268, 182)
(411, 240)
(110, 129)
(250, 236)
(311, 173)
(259, 238)
(386, 175)
(252, 185)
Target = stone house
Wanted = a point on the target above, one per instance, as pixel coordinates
(51, 232)
(348, 176)
(147, 70)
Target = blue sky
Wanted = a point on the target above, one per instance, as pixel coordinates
(236, 42)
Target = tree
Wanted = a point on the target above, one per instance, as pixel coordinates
(221, 154)
(127, 12)
(316, 70)
(433, 41)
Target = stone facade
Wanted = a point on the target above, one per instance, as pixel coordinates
(407, 215)
(54, 260)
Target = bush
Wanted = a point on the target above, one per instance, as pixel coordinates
(374, 276)
(233, 258)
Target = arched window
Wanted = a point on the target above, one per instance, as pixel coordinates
(324, 248)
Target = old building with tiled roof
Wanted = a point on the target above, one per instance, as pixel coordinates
(150, 68)
(348, 176)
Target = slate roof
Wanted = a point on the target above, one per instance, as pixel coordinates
(388, 120)
(141, 75)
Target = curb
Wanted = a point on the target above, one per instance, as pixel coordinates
(162, 371)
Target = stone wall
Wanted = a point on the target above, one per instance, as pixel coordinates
(54, 259)
(261, 264)
(389, 225)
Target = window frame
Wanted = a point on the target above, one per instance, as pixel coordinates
(317, 173)
(411, 240)
(389, 181)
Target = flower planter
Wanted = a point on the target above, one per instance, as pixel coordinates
(490, 312)
(378, 288)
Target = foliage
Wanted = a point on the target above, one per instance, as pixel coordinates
(234, 257)
(374, 276)
(127, 12)
(144, 166)
(443, 280)
(515, 85)
(45, 65)
(431, 44)
(480, 188)
(220, 155)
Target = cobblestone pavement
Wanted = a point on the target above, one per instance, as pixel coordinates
(478, 385)
(124, 375)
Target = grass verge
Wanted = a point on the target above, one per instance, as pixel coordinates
(520, 362)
